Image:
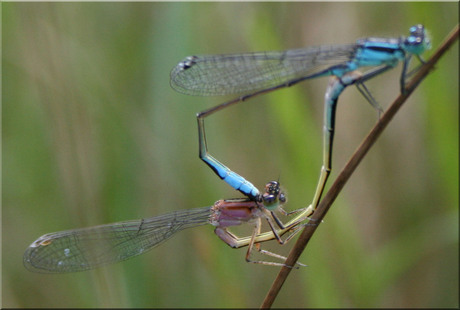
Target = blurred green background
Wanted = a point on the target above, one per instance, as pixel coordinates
(93, 133)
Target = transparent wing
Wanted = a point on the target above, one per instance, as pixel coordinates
(87, 248)
(243, 73)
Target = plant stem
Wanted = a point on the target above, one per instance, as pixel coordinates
(351, 165)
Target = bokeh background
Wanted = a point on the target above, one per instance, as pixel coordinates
(93, 133)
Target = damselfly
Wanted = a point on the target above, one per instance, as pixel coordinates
(91, 247)
(252, 74)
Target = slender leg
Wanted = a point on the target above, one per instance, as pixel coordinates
(402, 79)
(405, 74)
(234, 212)
(255, 232)
(234, 241)
(292, 227)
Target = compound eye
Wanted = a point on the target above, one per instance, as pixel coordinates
(417, 30)
(282, 197)
(269, 198)
(417, 35)
(272, 187)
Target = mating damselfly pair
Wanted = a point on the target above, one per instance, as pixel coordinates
(248, 75)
